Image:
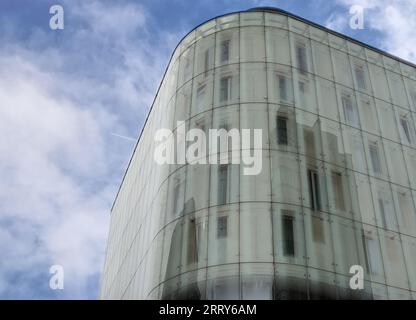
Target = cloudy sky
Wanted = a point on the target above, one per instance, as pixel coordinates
(72, 104)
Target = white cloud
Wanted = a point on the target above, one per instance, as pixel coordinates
(393, 19)
(60, 164)
(49, 148)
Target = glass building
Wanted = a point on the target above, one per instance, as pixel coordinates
(338, 179)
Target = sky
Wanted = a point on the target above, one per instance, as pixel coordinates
(73, 103)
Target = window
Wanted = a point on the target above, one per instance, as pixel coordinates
(302, 93)
(358, 153)
(405, 206)
(206, 60)
(338, 190)
(200, 97)
(318, 234)
(382, 213)
(188, 69)
(222, 225)
(375, 159)
(309, 142)
(359, 76)
(222, 184)
(288, 236)
(404, 123)
(364, 244)
(372, 255)
(176, 192)
(386, 208)
(225, 88)
(282, 130)
(192, 250)
(301, 58)
(314, 193)
(413, 98)
(225, 51)
(282, 87)
(348, 108)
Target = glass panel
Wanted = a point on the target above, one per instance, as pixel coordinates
(256, 187)
(202, 93)
(379, 82)
(206, 29)
(308, 135)
(277, 43)
(354, 149)
(342, 68)
(176, 194)
(252, 44)
(338, 191)
(374, 261)
(387, 120)
(383, 203)
(227, 85)
(186, 65)
(298, 26)
(410, 85)
(252, 117)
(395, 162)
(228, 21)
(255, 233)
(223, 282)
(301, 54)
(332, 148)
(279, 84)
(223, 245)
(220, 185)
(257, 281)
(327, 100)
(251, 18)
(406, 126)
(319, 253)
(305, 96)
(410, 156)
(276, 20)
(368, 114)
(398, 93)
(192, 285)
(375, 155)
(253, 82)
(361, 77)
(183, 103)
(313, 185)
(196, 194)
(285, 178)
(406, 214)
(409, 247)
(288, 233)
(227, 47)
(394, 263)
(204, 55)
(282, 128)
(348, 245)
(322, 60)
(171, 254)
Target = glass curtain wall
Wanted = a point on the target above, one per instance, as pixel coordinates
(337, 183)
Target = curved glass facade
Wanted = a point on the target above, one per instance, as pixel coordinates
(336, 187)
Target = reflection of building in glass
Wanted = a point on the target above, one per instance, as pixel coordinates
(337, 182)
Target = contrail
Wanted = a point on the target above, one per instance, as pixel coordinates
(123, 137)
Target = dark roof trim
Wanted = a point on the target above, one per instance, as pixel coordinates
(256, 9)
(291, 15)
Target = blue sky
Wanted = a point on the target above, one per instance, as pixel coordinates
(67, 96)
